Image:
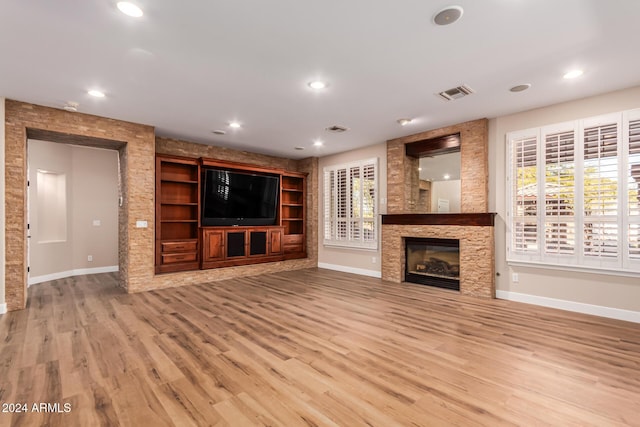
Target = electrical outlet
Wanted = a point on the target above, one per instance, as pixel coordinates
(515, 278)
(373, 260)
(90, 258)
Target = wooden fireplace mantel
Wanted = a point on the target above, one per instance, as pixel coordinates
(465, 219)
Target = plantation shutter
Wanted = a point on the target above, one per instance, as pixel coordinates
(524, 197)
(633, 187)
(600, 193)
(369, 197)
(559, 193)
(329, 204)
(350, 205)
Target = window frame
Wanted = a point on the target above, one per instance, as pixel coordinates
(331, 219)
(622, 263)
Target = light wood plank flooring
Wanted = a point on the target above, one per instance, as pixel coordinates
(310, 348)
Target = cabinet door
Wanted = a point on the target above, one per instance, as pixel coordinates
(213, 245)
(275, 242)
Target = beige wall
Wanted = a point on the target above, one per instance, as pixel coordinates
(602, 290)
(2, 222)
(95, 197)
(92, 194)
(356, 260)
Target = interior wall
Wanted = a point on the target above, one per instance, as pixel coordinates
(364, 261)
(94, 198)
(3, 306)
(610, 291)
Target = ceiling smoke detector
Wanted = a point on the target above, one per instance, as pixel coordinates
(337, 129)
(219, 132)
(71, 106)
(455, 93)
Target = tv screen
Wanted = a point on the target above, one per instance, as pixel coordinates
(236, 198)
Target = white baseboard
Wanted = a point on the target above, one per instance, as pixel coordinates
(71, 273)
(3, 308)
(345, 269)
(597, 310)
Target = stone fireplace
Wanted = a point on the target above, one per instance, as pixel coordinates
(472, 229)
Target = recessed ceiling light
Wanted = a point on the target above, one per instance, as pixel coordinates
(446, 176)
(573, 74)
(520, 88)
(317, 84)
(96, 93)
(234, 125)
(403, 122)
(448, 15)
(129, 9)
(318, 143)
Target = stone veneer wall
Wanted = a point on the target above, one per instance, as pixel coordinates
(476, 254)
(403, 182)
(137, 161)
(402, 171)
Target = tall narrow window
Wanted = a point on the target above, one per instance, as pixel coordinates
(559, 193)
(600, 191)
(524, 161)
(633, 186)
(350, 193)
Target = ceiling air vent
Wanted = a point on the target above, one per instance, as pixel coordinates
(337, 129)
(455, 93)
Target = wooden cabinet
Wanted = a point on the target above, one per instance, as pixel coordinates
(231, 246)
(177, 201)
(293, 215)
(183, 244)
(213, 245)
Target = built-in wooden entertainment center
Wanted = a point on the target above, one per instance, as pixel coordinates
(182, 243)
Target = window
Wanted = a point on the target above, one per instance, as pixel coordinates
(573, 194)
(350, 204)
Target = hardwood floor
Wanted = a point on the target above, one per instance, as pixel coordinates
(309, 348)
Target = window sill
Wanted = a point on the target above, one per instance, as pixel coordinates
(349, 245)
(579, 269)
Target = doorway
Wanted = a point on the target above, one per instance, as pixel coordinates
(73, 199)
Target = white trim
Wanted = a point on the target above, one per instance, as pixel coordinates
(578, 307)
(576, 268)
(70, 273)
(3, 308)
(345, 269)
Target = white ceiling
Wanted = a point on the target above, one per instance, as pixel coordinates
(189, 67)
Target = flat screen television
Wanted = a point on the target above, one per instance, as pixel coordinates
(237, 198)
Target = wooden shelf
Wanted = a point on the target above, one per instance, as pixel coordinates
(177, 201)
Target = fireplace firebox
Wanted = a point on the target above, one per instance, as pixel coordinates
(433, 262)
